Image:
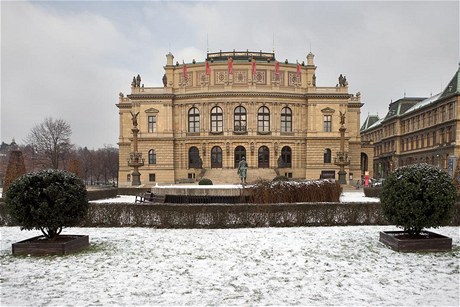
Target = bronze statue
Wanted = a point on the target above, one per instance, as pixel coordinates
(342, 118)
(134, 118)
(165, 80)
(138, 81)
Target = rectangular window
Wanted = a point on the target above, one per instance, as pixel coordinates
(451, 111)
(152, 122)
(327, 123)
(152, 177)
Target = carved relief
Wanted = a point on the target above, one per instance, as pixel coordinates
(260, 77)
(241, 77)
(293, 80)
(279, 78)
(186, 82)
(202, 77)
(221, 77)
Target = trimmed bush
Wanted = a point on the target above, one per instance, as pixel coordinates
(265, 191)
(418, 196)
(47, 200)
(205, 181)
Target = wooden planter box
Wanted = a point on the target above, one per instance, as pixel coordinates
(427, 241)
(62, 245)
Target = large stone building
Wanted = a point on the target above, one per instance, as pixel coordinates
(208, 115)
(416, 130)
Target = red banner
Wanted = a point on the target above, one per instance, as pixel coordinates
(208, 69)
(277, 68)
(254, 69)
(298, 71)
(185, 71)
(230, 66)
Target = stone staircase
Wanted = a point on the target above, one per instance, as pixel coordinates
(229, 176)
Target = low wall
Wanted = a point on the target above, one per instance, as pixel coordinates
(102, 193)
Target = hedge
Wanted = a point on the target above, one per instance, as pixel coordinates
(232, 215)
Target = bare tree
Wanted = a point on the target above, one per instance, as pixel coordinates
(51, 140)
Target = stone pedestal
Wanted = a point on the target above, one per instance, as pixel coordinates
(342, 177)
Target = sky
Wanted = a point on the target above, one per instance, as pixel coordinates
(70, 60)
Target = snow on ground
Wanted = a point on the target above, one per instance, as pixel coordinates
(350, 197)
(251, 267)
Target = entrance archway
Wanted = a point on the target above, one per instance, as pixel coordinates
(286, 157)
(216, 157)
(240, 152)
(263, 157)
(194, 160)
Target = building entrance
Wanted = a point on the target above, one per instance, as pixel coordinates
(240, 152)
(264, 157)
(216, 157)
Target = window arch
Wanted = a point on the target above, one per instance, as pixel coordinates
(240, 119)
(152, 156)
(217, 119)
(327, 156)
(286, 119)
(286, 157)
(263, 119)
(194, 120)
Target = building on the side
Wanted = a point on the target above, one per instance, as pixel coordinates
(208, 115)
(416, 130)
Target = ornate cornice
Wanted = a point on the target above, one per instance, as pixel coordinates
(150, 96)
(124, 105)
(239, 94)
(243, 94)
(355, 104)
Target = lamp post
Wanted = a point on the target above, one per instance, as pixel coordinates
(135, 158)
(342, 158)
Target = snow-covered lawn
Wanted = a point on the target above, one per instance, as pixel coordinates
(243, 267)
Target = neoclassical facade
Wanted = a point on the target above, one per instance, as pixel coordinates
(208, 115)
(417, 130)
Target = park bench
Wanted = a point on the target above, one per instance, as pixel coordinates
(149, 197)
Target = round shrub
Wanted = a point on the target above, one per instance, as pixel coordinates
(205, 181)
(280, 178)
(418, 196)
(47, 200)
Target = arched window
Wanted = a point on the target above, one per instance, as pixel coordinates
(193, 120)
(286, 120)
(263, 158)
(240, 121)
(327, 155)
(217, 120)
(286, 157)
(263, 120)
(152, 157)
(216, 157)
(194, 160)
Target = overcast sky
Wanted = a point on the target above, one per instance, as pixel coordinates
(70, 60)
